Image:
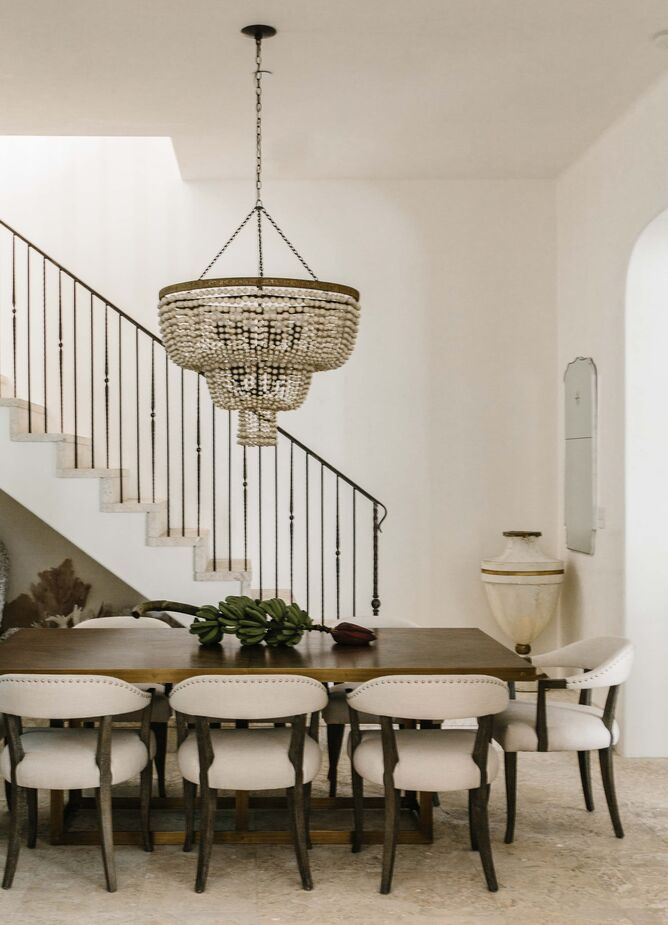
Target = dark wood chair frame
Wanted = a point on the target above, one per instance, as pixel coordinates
(298, 796)
(478, 798)
(605, 756)
(19, 795)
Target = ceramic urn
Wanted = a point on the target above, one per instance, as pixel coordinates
(522, 586)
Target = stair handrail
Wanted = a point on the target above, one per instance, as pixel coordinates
(154, 337)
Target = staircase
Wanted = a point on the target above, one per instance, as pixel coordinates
(95, 422)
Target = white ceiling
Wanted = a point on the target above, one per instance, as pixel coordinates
(361, 88)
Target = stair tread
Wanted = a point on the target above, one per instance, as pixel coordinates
(39, 437)
(88, 473)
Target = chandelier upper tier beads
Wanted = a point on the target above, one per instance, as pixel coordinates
(258, 340)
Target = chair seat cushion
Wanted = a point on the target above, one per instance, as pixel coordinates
(249, 759)
(429, 759)
(570, 727)
(336, 712)
(64, 759)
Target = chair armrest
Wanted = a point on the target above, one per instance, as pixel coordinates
(545, 685)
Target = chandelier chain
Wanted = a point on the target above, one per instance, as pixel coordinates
(289, 243)
(229, 241)
(258, 151)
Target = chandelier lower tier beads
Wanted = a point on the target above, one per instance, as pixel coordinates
(258, 340)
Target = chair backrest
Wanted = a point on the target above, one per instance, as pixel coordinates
(608, 660)
(252, 697)
(121, 623)
(432, 697)
(53, 696)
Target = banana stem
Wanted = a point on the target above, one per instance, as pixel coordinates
(140, 609)
(319, 627)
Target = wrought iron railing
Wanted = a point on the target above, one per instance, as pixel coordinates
(302, 526)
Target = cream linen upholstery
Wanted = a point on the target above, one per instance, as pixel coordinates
(542, 725)
(160, 711)
(52, 696)
(607, 658)
(431, 697)
(430, 760)
(426, 760)
(248, 697)
(571, 727)
(249, 759)
(64, 759)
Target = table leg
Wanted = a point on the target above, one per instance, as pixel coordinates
(241, 810)
(57, 817)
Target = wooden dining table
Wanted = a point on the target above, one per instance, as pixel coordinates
(138, 655)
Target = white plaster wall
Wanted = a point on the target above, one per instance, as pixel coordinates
(447, 409)
(604, 201)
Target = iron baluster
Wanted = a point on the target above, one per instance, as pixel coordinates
(276, 520)
(259, 516)
(106, 380)
(322, 543)
(292, 523)
(92, 385)
(75, 374)
(167, 454)
(153, 422)
(338, 555)
(120, 408)
(138, 460)
(198, 459)
(375, 602)
(245, 494)
(183, 459)
(213, 485)
(14, 309)
(44, 339)
(306, 526)
(28, 336)
(354, 552)
(229, 491)
(60, 349)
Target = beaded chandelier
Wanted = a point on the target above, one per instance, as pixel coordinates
(258, 340)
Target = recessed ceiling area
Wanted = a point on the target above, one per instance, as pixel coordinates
(360, 88)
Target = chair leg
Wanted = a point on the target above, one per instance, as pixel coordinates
(607, 773)
(335, 732)
(103, 799)
(189, 794)
(585, 777)
(160, 760)
(481, 824)
(307, 815)
(31, 797)
(8, 794)
(295, 797)
(14, 836)
(145, 806)
(358, 810)
(207, 803)
(472, 831)
(510, 761)
(392, 805)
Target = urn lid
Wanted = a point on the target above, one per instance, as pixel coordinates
(522, 555)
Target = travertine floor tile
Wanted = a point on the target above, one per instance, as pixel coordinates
(565, 868)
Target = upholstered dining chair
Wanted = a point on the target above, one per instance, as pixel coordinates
(336, 717)
(247, 758)
(426, 760)
(73, 758)
(535, 726)
(160, 711)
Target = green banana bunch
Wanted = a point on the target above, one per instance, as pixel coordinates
(251, 621)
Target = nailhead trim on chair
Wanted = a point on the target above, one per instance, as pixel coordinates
(40, 679)
(578, 680)
(310, 682)
(495, 682)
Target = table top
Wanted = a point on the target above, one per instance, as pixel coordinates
(169, 657)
